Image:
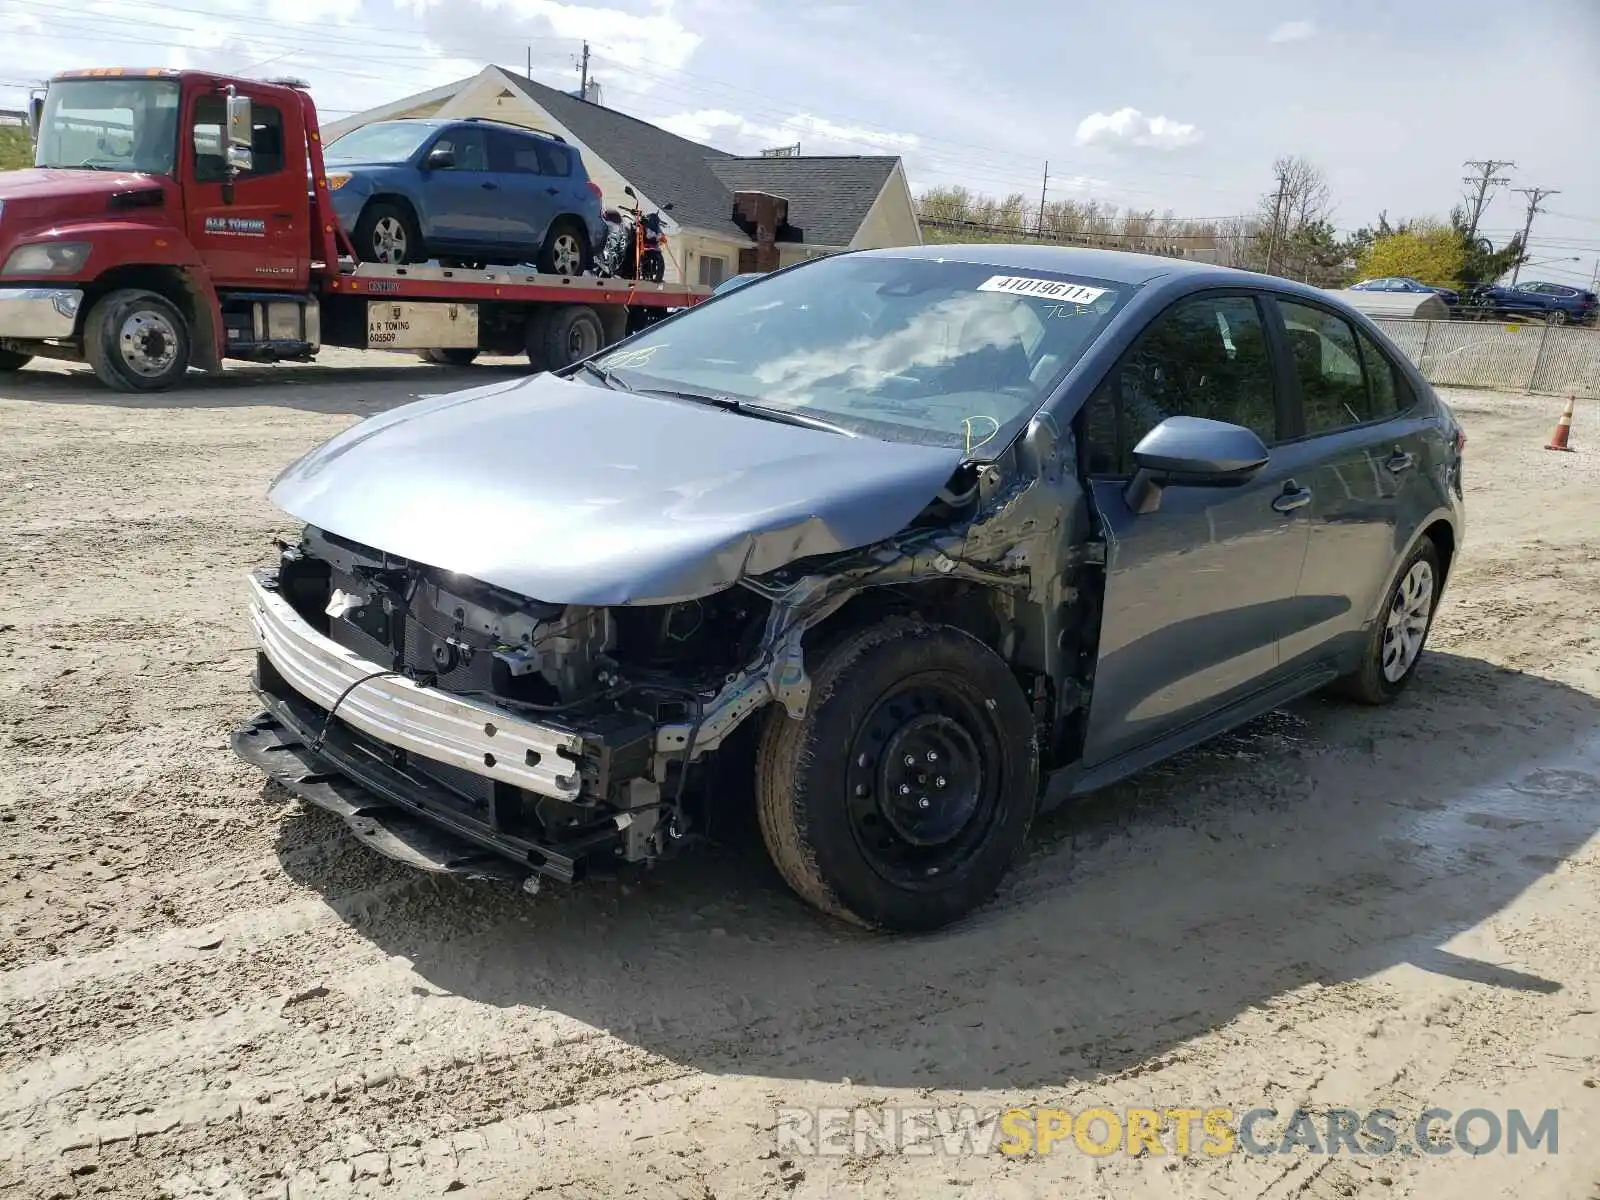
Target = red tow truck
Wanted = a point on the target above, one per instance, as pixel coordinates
(180, 218)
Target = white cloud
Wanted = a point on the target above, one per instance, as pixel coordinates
(816, 135)
(1293, 31)
(655, 41)
(1130, 127)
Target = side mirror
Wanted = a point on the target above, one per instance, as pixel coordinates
(35, 116)
(1192, 452)
(241, 132)
(440, 159)
(628, 191)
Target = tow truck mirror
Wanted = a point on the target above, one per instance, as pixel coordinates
(241, 133)
(35, 116)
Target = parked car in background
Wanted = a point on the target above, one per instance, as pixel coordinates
(1556, 303)
(467, 192)
(1404, 283)
(933, 522)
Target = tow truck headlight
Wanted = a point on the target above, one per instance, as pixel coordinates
(337, 179)
(46, 258)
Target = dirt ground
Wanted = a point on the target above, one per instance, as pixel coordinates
(209, 990)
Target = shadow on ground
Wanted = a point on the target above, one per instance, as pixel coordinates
(313, 387)
(1322, 843)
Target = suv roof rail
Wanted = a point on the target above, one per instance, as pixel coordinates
(554, 137)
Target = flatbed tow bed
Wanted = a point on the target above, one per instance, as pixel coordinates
(148, 271)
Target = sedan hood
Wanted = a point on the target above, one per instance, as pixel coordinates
(571, 493)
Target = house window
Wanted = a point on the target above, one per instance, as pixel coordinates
(712, 270)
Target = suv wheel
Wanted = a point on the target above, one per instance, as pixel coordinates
(387, 233)
(565, 251)
(903, 797)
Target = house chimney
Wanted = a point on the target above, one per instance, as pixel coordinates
(760, 214)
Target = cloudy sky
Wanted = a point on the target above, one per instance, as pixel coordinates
(1153, 103)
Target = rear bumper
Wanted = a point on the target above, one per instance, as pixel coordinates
(39, 312)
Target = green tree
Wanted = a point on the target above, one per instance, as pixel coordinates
(1432, 255)
(1480, 261)
(16, 151)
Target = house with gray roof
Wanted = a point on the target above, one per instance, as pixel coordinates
(730, 213)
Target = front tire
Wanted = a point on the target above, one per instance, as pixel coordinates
(13, 360)
(903, 797)
(388, 233)
(136, 341)
(1395, 646)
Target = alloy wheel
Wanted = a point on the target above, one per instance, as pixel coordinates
(1407, 623)
(389, 240)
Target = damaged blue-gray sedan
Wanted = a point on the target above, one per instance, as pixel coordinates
(894, 545)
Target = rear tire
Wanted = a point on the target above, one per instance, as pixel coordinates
(1400, 633)
(566, 250)
(454, 356)
(13, 360)
(570, 332)
(388, 233)
(902, 714)
(136, 341)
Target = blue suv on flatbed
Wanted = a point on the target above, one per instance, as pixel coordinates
(465, 192)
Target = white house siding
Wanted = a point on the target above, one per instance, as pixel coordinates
(891, 221)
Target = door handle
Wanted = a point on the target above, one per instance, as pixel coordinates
(1400, 461)
(552, 191)
(1292, 497)
(491, 187)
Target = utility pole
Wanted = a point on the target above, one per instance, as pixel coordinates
(1272, 237)
(1534, 195)
(1043, 188)
(583, 86)
(1484, 180)
(530, 64)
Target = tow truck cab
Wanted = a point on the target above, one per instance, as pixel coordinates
(177, 218)
(171, 193)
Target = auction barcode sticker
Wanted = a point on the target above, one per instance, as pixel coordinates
(1044, 289)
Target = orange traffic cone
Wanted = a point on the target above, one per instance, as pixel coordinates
(1558, 439)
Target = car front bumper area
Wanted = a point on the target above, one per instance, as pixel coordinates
(366, 767)
(32, 313)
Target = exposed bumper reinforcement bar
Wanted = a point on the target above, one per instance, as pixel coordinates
(484, 739)
(392, 811)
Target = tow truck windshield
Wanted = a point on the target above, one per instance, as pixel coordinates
(110, 125)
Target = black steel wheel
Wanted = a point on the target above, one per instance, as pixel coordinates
(904, 796)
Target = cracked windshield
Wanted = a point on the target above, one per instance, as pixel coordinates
(942, 353)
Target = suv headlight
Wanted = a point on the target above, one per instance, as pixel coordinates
(46, 258)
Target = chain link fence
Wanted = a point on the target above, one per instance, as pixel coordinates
(1507, 356)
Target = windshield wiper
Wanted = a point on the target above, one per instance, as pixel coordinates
(609, 378)
(781, 416)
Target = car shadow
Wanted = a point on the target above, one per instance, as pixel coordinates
(378, 383)
(1321, 843)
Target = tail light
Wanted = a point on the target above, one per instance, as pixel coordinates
(595, 188)
(1461, 441)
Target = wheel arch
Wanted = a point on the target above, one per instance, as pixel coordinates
(182, 286)
(1440, 528)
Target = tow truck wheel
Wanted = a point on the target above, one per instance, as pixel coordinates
(136, 341)
(453, 356)
(902, 798)
(12, 360)
(570, 332)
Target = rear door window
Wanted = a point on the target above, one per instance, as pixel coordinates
(1327, 362)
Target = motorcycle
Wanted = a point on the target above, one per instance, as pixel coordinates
(635, 246)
